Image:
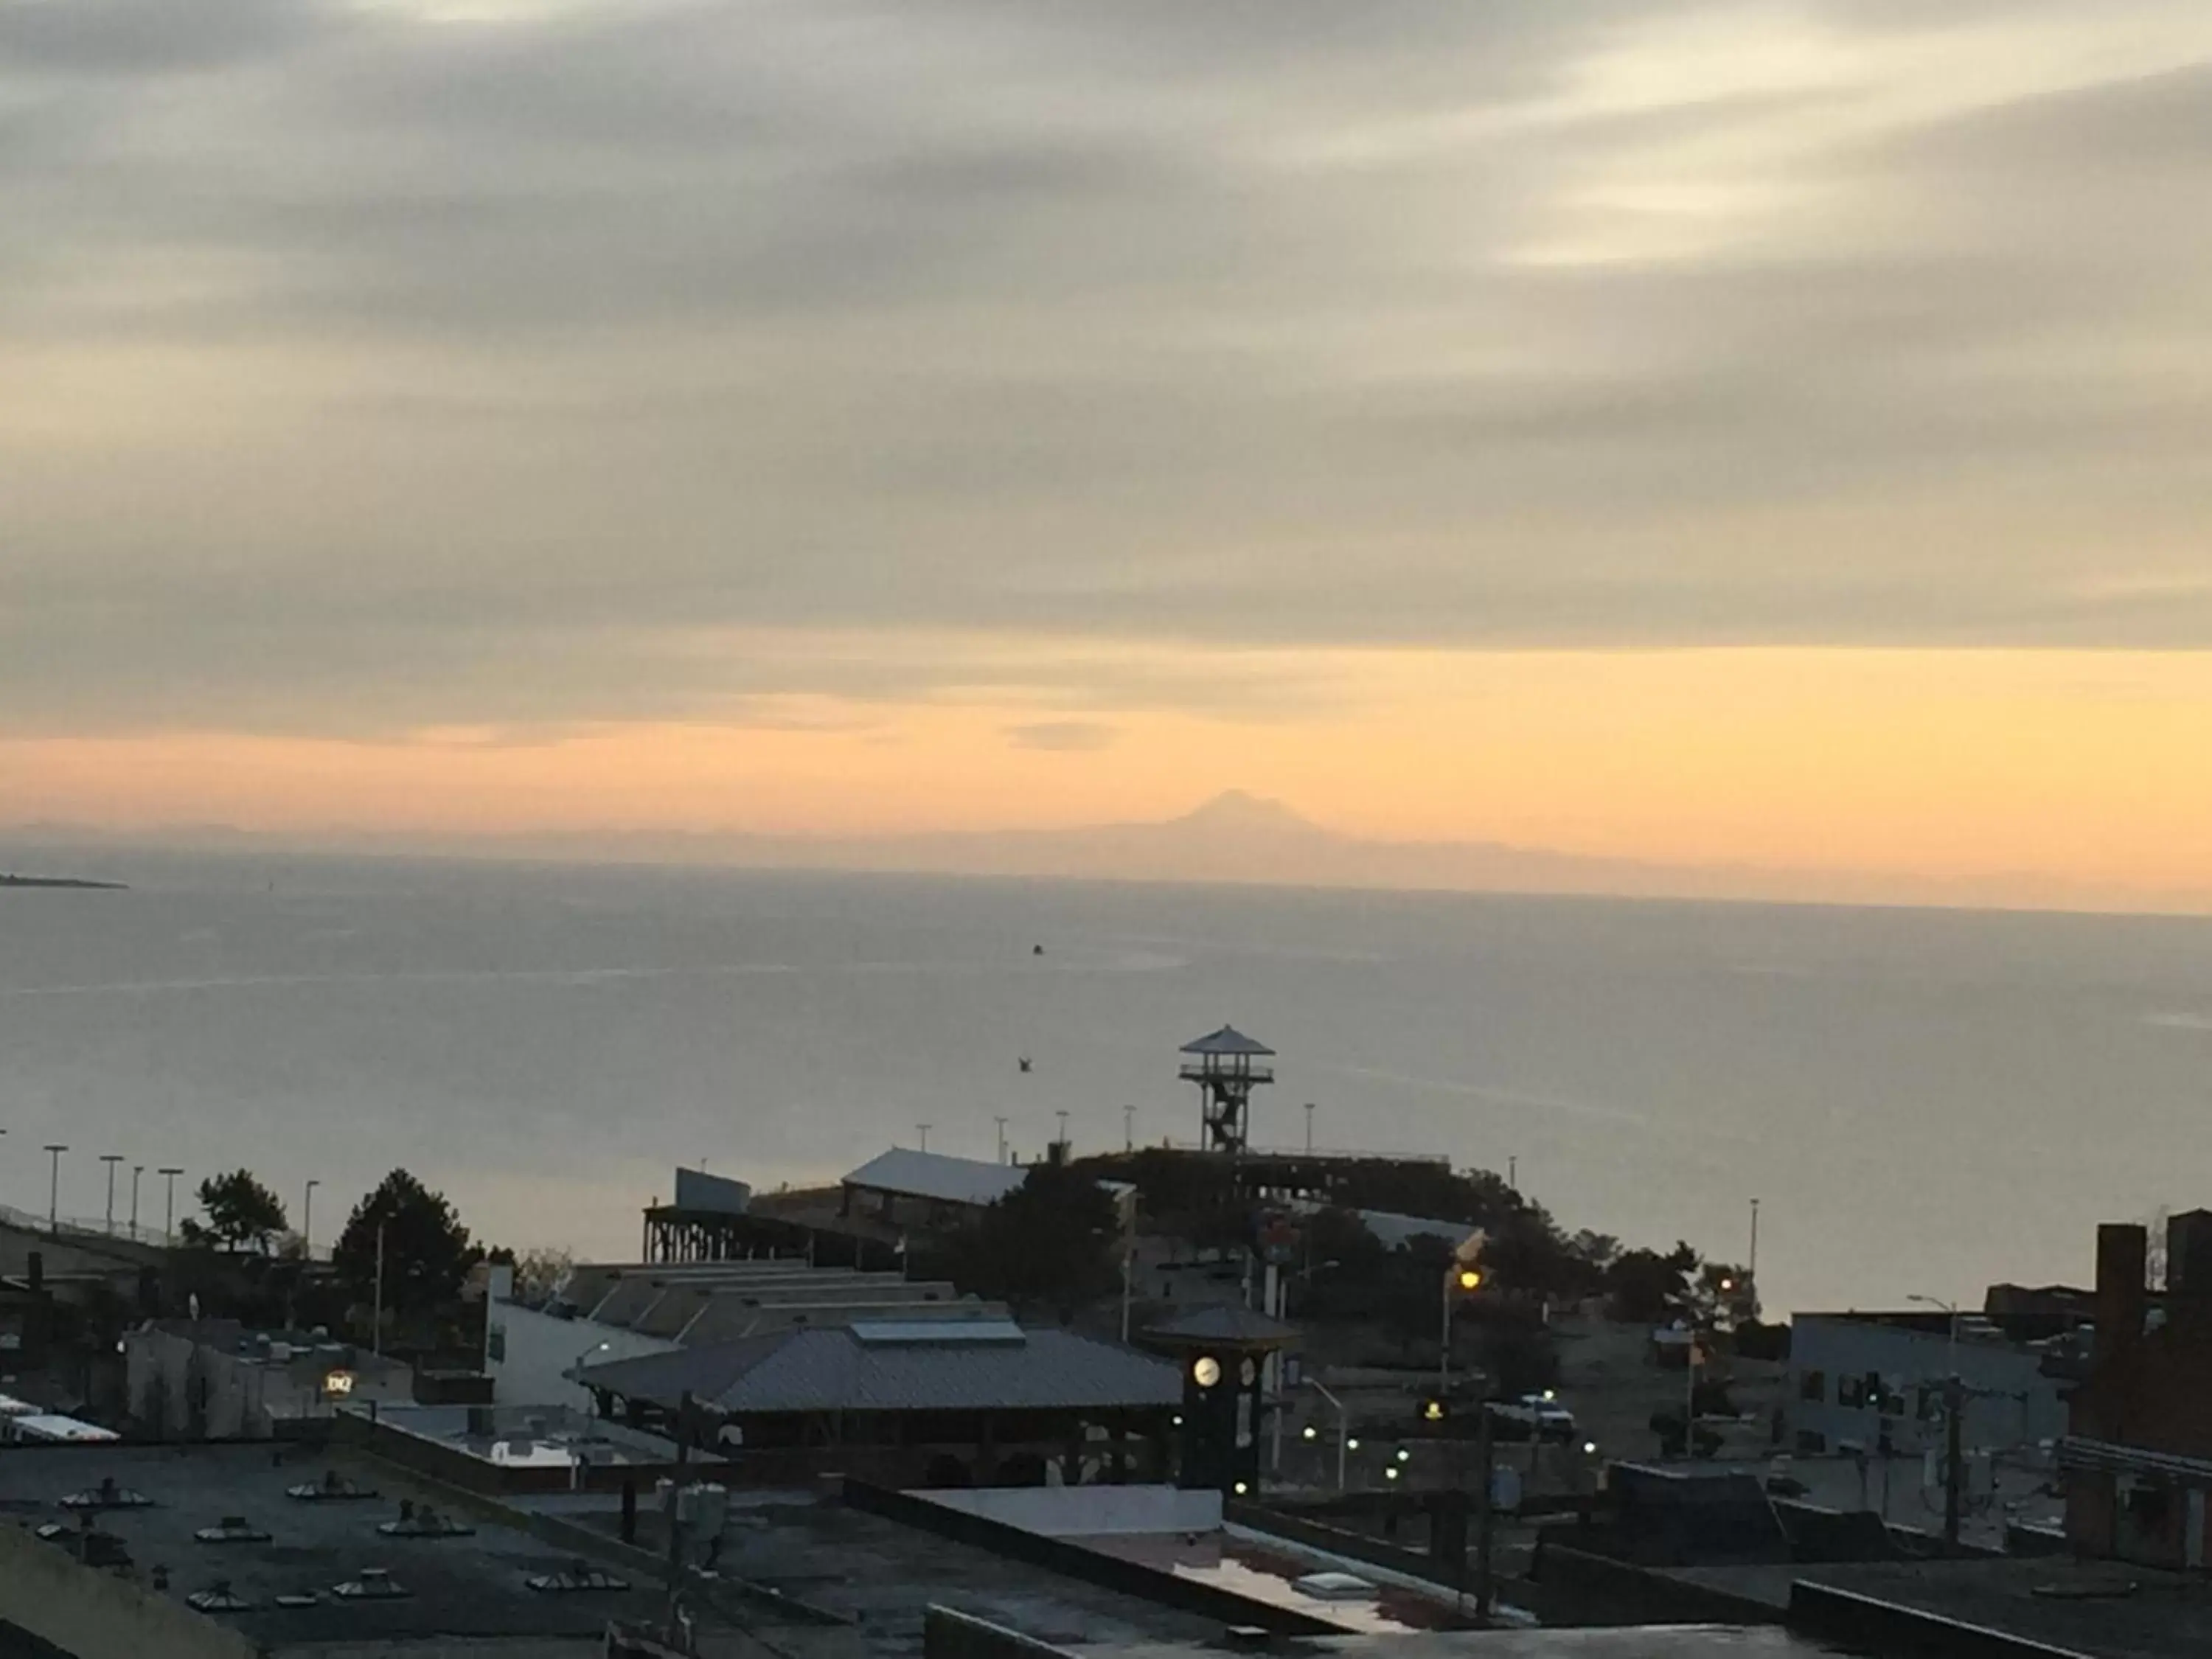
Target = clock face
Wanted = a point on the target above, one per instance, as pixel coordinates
(1206, 1372)
(1247, 1372)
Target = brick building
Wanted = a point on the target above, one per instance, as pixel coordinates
(2138, 1454)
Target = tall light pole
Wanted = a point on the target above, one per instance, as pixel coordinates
(923, 1129)
(1309, 1112)
(1128, 1129)
(1062, 1116)
(111, 1159)
(1950, 1349)
(307, 1220)
(1460, 1276)
(169, 1173)
(1751, 1268)
(376, 1341)
(1002, 1122)
(54, 1149)
(136, 1169)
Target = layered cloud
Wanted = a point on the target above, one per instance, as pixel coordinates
(370, 367)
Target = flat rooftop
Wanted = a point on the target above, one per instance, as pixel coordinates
(882, 1576)
(2084, 1607)
(458, 1587)
(2099, 1609)
(1628, 1642)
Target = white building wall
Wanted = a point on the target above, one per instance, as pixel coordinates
(2016, 1405)
(526, 1352)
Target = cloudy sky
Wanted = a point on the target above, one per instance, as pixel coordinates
(1772, 432)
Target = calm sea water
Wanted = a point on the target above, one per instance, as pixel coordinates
(1923, 1102)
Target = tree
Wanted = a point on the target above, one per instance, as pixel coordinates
(1646, 1287)
(1053, 1239)
(240, 1211)
(427, 1250)
(539, 1272)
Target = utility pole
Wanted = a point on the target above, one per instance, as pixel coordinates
(169, 1173)
(54, 1149)
(1062, 1116)
(1513, 1172)
(1954, 1403)
(136, 1169)
(1128, 1129)
(684, 1413)
(1002, 1122)
(1486, 1463)
(377, 1317)
(1751, 1268)
(111, 1159)
(1309, 1112)
(307, 1220)
(923, 1129)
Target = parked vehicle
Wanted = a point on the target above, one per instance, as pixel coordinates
(1540, 1416)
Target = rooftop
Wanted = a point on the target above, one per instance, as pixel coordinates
(1227, 1041)
(1225, 1324)
(2091, 1610)
(457, 1586)
(938, 1176)
(875, 1366)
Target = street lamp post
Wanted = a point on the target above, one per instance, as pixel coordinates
(307, 1219)
(1951, 1347)
(111, 1159)
(54, 1149)
(1343, 1426)
(1002, 1122)
(923, 1129)
(377, 1318)
(136, 1169)
(169, 1173)
(1458, 1277)
(1309, 1112)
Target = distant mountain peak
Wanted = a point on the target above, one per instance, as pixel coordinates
(1241, 811)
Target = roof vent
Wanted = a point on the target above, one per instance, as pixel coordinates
(578, 1577)
(108, 1496)
(298, 1599)
(373, 1584)
(421, 1521)
(333, 1487)
(232, 1530)
(218, 1597)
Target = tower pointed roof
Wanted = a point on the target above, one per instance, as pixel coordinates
(1226, 1041)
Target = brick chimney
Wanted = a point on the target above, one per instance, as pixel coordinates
(2122, 1267)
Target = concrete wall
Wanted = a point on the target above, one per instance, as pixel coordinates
(526, 1352)
(96, 1615)
(1089, 1511)
(1839, 1348)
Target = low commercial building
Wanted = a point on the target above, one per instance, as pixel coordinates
(909, 1403)
(213, 1379)
(604, 1312)
(929, 1191)
(1873, 1382)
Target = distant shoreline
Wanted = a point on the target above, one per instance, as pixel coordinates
(7, 880)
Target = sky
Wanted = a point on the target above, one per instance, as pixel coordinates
(1765, 433)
